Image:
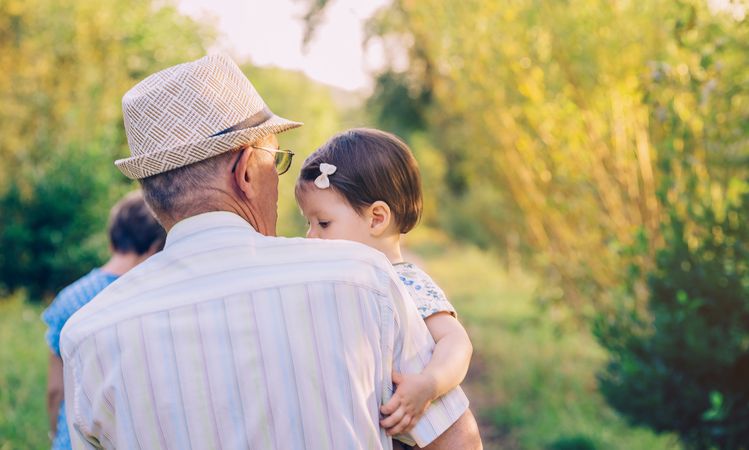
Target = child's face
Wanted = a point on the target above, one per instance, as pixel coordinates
(331, 217)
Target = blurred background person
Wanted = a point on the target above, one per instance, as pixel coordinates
(134, 235)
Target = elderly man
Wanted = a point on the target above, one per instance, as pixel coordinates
(231, 337)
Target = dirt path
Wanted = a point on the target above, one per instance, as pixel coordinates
(482, 401)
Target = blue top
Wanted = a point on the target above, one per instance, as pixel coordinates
(67, 302)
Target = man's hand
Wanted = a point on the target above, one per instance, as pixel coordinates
(413, 394)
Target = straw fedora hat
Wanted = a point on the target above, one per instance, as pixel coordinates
(191, 112)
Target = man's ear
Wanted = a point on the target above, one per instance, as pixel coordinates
(242, 174)
(380, 217)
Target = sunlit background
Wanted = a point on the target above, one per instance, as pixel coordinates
(585, 167)
(271, 33)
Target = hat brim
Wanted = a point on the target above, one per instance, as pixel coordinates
(161, 161)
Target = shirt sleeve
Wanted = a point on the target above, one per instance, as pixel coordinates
(412, 350)
(77, 409)
(426, 294)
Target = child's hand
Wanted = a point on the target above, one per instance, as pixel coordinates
(412, 396)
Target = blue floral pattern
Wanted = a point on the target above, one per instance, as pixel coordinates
(67, 302)
(428, 297)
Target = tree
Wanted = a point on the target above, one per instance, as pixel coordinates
(69, 63)
(61, 125)
(556, 124)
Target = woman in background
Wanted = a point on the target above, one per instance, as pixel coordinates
(134, 235)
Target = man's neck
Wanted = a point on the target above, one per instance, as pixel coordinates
(223, 201)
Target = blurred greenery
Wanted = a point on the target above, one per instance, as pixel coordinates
(566, 136)
(683, 366)
(532, 378)
(23, 376)
(574, 155)
(294, 96)
(61, 125)
(558, 123)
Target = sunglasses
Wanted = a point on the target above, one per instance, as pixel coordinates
(281, 158)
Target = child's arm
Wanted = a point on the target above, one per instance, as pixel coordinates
(446, 370)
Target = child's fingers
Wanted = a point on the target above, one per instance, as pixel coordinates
(401, 427)
(396, 377)
(393, 419)
(390, 407)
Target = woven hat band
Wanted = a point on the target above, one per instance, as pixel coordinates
(254, 120)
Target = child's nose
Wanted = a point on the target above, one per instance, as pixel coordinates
(310, 233)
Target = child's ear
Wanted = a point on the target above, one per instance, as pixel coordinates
(380, 217)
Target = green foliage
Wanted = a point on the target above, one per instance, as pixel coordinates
(678, 342)
(396, 105)
(51, 224)
(541, 127)
(70, 63)
(572, 443)
(682, 365)
(557, 124)
(61, 125)
(23, 363)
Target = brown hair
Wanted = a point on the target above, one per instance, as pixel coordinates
(133, 227)
(371, 165)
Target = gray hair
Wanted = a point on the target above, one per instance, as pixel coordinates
(176, 194)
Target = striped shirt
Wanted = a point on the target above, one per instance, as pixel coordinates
(231, 339)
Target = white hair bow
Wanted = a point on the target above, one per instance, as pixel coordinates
(323, 182)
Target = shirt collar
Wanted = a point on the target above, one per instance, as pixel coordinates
(205, 222)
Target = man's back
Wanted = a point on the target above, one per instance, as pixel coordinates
(229, 339)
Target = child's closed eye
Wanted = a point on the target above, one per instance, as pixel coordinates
(323, 223)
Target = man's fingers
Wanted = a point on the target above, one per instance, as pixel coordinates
(393, 419)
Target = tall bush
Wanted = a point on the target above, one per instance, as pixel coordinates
(679, 342)
(681, 365)
(52, 225)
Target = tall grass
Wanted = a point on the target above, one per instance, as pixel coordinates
(23, 376)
